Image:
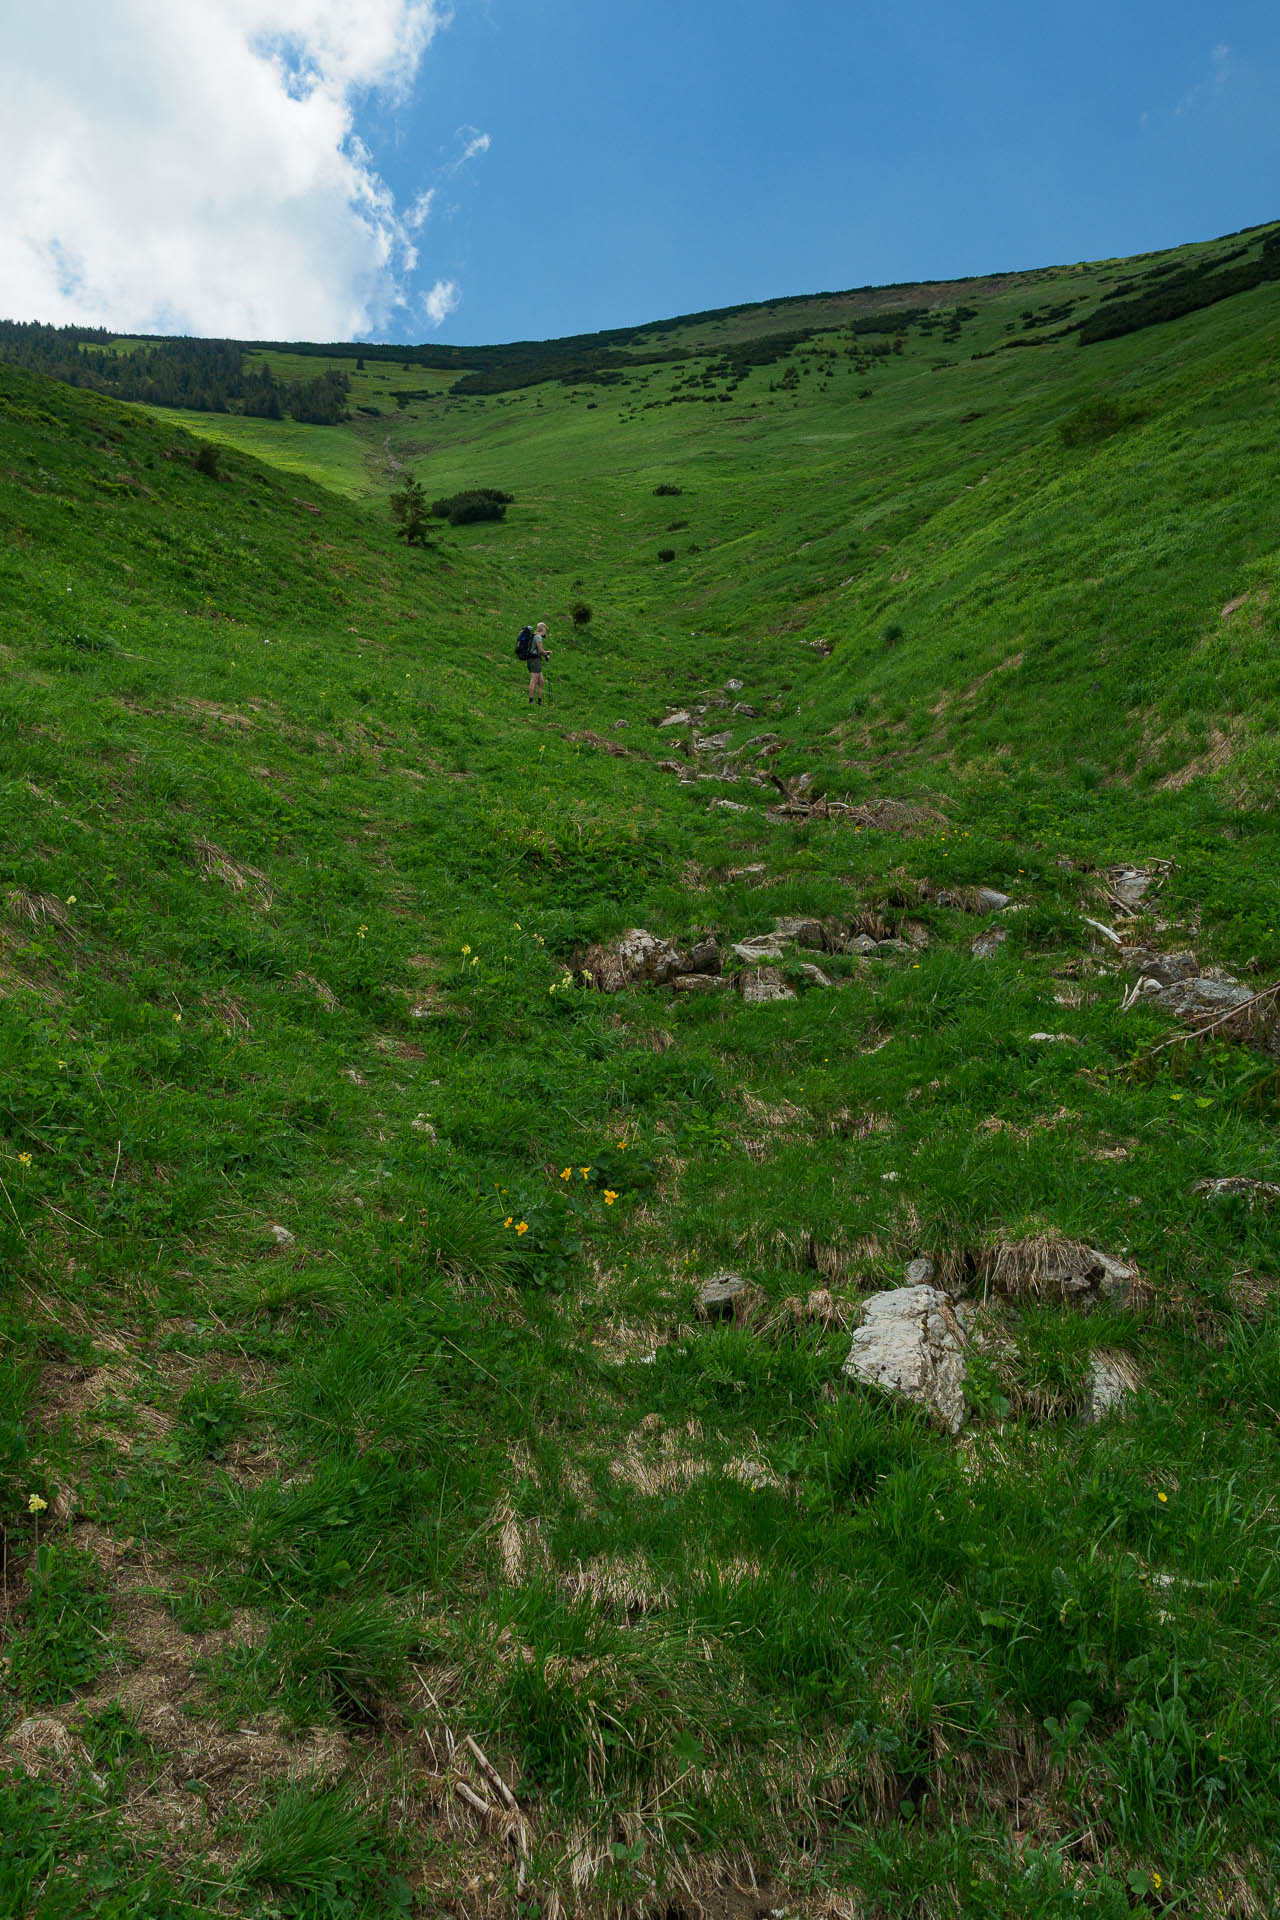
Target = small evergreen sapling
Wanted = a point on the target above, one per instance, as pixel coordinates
(409, 511)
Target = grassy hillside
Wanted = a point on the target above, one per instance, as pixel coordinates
(388, 1529)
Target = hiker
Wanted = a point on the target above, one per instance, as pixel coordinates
(538, 652)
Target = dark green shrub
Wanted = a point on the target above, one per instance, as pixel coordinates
(891, 634)
(667, 491)
(666, 553)
(580, 613)
(472, 504)
(206, 459)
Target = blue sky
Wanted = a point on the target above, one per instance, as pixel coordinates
(503, 169)
(662, 158)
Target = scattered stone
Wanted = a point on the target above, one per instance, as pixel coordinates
(990, 900)
(1239, 1185)
(763, 985)
(672, 766)
(621, 723)
(281, 1235)
(815, 976)
(682, 718)
(761, 946)
(912, 1342)
(892, 946)
(745, 873)
(862, 943)
(1166, 968)
(354, 1075)
(1111, 1386)
(733, 686)
(1201, 996)
(717, 1295)
(1127, 885)
(916, 935)
(1049, 1265)
(702, 957)
(747, 712)
(919, 1272)
(639, 958)
(698, 982)
(803, 930)
(1065, 1039)
(421, 1124)
(712, 742)
(728, 806)
(1109, 934)
(985, 944)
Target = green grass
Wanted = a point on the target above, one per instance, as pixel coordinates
(352, 1242)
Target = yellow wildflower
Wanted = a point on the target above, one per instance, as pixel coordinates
(71, 899)
(35, 1504)
(522, 1226)
(361, 932)
(507, 1222)
(622, 1146)
(1156, 1880)
(567, 1173)
(584, 1171)
(1163, 1498)
(178, 1018)
(475, 959)
(24, 1159)
(609, 1197)
(466, 949)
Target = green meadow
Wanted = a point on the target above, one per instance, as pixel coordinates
(390, 1527)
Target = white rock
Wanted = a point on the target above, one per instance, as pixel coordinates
(728, 806)
(1111, 1385)
(1066, 1039)
(717, 1295)
(990, 900)
(815, 976)
(765, 984)
(733, 686)
(987, 943)
(281, 1235)
(680, 719)
(762, 946)
(911, 1343)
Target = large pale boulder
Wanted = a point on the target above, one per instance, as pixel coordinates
(912, 1343)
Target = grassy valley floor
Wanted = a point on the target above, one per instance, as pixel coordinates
(392, 1523)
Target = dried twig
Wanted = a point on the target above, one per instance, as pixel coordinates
(492, 1775)
(473, 1800)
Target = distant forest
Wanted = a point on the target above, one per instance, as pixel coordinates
(207, 376)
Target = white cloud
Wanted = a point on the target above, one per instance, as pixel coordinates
(193, 166)
(443, 299)
(1210, 90)
(476, 143)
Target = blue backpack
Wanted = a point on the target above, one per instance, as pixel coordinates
(524, 643)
